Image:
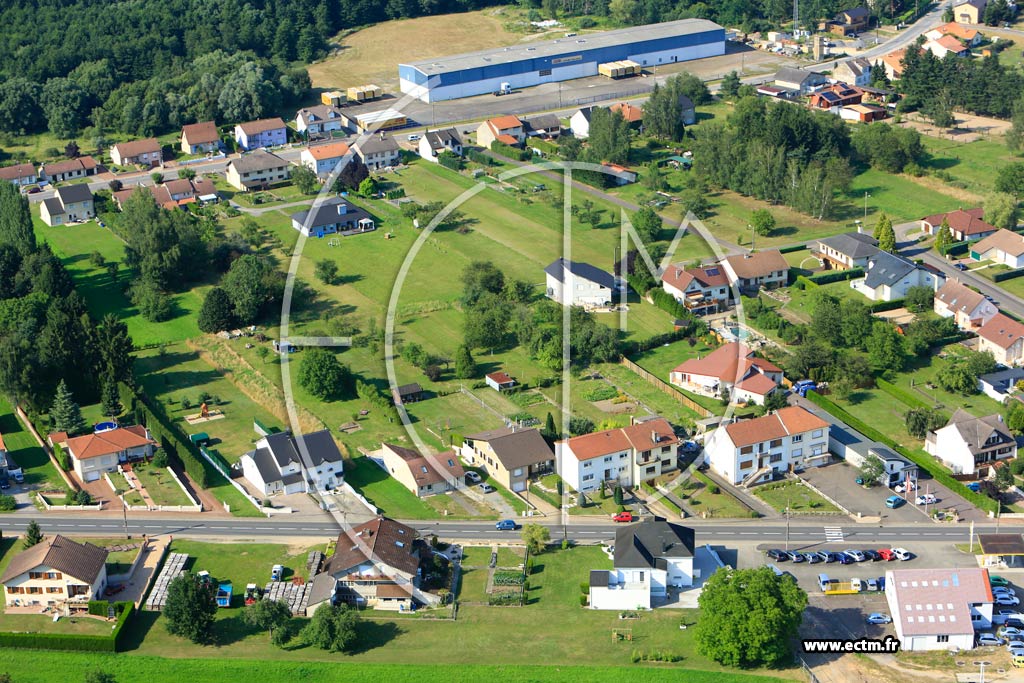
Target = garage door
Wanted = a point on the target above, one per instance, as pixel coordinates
(92, 476)
(519, 486)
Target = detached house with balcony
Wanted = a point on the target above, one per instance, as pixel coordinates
(319, 119)
(625, 456)
(263, 133)
(968, 308)
(512, 457)
(1004, 337)
(422, 475)
(846, 251)
(257, 170)
(751, 272)
(70, 204)
(971, 445)
(57, 572)
(93, 454)
(280, 464)
(889, 277)
(702, 290)
(650, 557)
(753, 451)
(731, 370)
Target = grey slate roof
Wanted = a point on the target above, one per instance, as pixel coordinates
(444, 138)
(685, 102)
(69, 194)
(321, 589)
(53, 206)
(543, 122)
(515, 449)
(790, 75)
(643, 544)
(321, 447)
(264, 461)
(259, 160)
(886, 269)
(853, 244)
(598, 578)
(375, 145)
(327, 213)
(888, 455)
(976, 430)
(580, 269)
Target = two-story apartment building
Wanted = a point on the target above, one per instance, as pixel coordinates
(281, 464)
(319, 119)
(93, 454)
(146, 152)
(968, 308)
(574, 283)
(262, 133)
(422, 475)
(751, 451)
(703, 289)
(510, 456)
(322, 159)
(377, 152)
(198, 138)
(625, 456)
(70, 204)
(56, 572)
(751, 272)
(971, 445)
(508, 130)
(434, 142)
(732, 371)
(58, 172)
(1004, 338)
(890, 276)
(257, 170)
(650, 557)
(939, 609)
(846, 251)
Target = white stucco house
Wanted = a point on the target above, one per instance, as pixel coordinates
(278, 464)
(1004, 338)
(623, 456)
(93, 454)
(1002, 246)
(888, 277)
(572, 283)
(650, 557)
(433, 142)
(970, 445)
(938, 609)
(57, 572)
(968, 308)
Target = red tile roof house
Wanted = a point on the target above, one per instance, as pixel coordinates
(1004, 337)
(633, 114)
(757, 450)
(19, 174)
(499, 381)
(625, 456)
(68, 170)
(965, 224)
(56, 572)
(197, 138)
(262, 133)
(506, 129)
(174, 193)
(750, 272)
(702, 290)
(146, 152)
(968, 308)
(93, 454)
(422, 475)
(731, 368)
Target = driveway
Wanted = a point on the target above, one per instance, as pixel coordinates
(838, 481)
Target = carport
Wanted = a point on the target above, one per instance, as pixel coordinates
(1001, 550)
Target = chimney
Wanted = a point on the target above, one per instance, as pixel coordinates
(654, 436)
(342, 208)
(382, 135)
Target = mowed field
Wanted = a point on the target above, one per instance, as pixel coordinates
(362, 60)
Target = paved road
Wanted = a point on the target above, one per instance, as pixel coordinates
(908, 35)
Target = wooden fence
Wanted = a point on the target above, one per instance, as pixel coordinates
(666, 388)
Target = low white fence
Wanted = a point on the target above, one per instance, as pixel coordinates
(369, 506)
(46, 504)
(184, 490)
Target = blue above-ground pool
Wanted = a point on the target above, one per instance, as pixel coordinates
(104, 427)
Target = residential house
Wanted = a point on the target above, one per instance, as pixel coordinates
(198, 138)
(1001, 385)
(751, 272)
(970, 12)
(968, 308)
(863, 113)
(1004, 337)
(20, 174)
(799, 80)
(730, 370)
(93, 454)
(633, 114)
(687, 111)
(573, 283)
(511, 456)
(507, 129)
(624, 456)
(499, 381)
(895, 468)
(620, 174)
(81, 167)
(650, 557)
(851, 21)
(945, 45)
(423, 475)
(964, 224)
(971, 445)
(966, 35)
(407, 393)
(322, 159)
(702, 289)
(257, 171)
(70, 204)
(56, 572)
(890, 276)
(856, 71)
(146, 152)
(377, 152)
(262, 133)
(319, 119)
(282, 463)
(836, 95)
(756, 450)
(377, 564)
(433, 142)
(1003, 246)
(846, 251)
(579, 122)
(173, 194)
(334, 215)
(547, 126)
(893, 64)
(939, 609)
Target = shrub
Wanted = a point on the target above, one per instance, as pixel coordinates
(713, 489)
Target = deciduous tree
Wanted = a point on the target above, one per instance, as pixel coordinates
(190, 609)
(322, 375)
(267, 615)
(332, 628)
(217, 312)
(536, 538)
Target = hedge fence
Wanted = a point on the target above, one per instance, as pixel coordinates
(928, 464)
(175, 442)
(74, 641)
(792, 248)
(510, 151)
(879, 306)
(830, 276)
(1007, 275)
(901, 394)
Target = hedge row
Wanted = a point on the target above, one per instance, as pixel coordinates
(933, 467)
(450, 160)
(73, 641)
(176, 443)
(879, 306)
(1007, 275)
(901, 394)
(804, 282)
(510, 151)
(791, 248)
(480, 158)
(830, 276)
(956, 248)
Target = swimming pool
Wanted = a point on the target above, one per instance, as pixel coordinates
(733, 333)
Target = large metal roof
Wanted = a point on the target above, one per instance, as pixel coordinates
(560, 46)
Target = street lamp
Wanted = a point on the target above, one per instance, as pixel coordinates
(982, 665)
(866, 195)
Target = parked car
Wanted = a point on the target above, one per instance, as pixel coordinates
(893, 502)
(506, 525)
(5, 483)
(886, 554)
(414, 137)
(872, 585)
(1002, 615)
(1017, 661)
(473, 477)
(974, 486)
(487, 488)
(623, 517)
(855, 555)
(879, 618)
(1002, 590)
(1016, 622)
(777, 555)
(872, 555)
(903, 487)
(795, 556)
(902, 554)
(926, 499)
(1015, 643)
(690, 447)
(1015, 651)
(812, 558)
(1007, 600)
(988, 640)
(19, 477)
(1008, 631)
(960, 266)
(996, 580)
(843, 558)
(826, 556)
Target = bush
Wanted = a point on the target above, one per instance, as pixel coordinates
(713, 489)
(583, 601)
(1007, 275)
(7, 503)
(602, 393)
(480, 158)
(830, 276)
(510, 151)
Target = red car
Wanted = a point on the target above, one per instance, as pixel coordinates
(887, 554)
(623, 517)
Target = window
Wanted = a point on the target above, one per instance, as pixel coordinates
(607, 458)
(797, 452)
(776, 457)
(586, 464)
(747, 449)
(666, 463)
(53, 589)
(518, 472)
(588, 477)
(817, 433)
(666, 449)
(941, 639)
(544, 72)
(776, 443)
(53, 575)
(35, 575)
(651, 469)
(797, 438)
(746, 464)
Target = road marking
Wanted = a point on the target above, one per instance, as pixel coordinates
(834, 534)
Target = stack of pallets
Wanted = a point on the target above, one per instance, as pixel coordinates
(296, 596)
(174, 566)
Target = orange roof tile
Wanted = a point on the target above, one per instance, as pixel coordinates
(105, 443)
(629, 112)
(1002, 331)
(331, 150)
(785, 422)
(729, 363)
(504, 122)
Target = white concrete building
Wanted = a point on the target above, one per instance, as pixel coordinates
(624, 456)
(433, 142)
(969, 445)
(278, 465)
(938, 609)
(751, 451)
(579, 122)
(572, 283)
(321, 159)
(1003, 246)
(650, 557)
(890, 276)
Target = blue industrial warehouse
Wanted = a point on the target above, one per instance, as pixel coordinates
(476, 73)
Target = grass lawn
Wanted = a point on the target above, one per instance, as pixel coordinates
(801, 303)
(972, 163)
(662, 360)
(473, 586)
(24, 450)
(511, 557)
(385, 491)
(243, 563)
(161, 485)
(131, 496)
(720, 505)
(794, 495)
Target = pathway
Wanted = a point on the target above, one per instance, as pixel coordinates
(268, 209)
(133, 481)
(744, 496)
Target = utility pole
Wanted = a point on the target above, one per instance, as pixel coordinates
(787, 522)
(866, 195)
